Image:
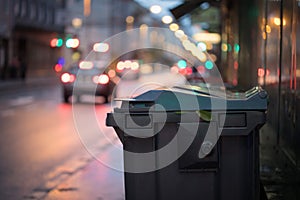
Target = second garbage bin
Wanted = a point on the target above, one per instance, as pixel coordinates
(217, 146)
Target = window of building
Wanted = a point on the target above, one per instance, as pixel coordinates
(32, 10)
(24, 4)
(17, 8)
(41, 12)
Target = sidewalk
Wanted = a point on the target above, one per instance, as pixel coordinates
(278, 174)
(31, 80)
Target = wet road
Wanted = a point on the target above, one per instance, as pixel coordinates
(44, 140)
(39, 138)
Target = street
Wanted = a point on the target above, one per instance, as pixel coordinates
(43, 146)
(38, 140)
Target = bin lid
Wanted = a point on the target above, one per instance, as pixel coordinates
(253, 99)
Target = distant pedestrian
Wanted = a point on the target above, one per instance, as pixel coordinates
(14, 67)
(23, 69)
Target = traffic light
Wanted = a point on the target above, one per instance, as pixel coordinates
(56, 42)
(209, 64)
(181, 64)
(76, 55)
(70, 42)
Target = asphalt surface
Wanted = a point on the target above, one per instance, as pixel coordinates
(42, 154)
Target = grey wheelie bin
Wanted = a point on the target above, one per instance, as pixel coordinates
(182, 143)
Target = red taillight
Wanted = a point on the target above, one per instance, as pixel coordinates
(101, 79)
(67, 78)
(58, 67)
(189, 71)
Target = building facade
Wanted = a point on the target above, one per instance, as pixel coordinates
(26, 27)
(105, 19)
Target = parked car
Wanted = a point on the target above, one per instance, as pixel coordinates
(85, 78)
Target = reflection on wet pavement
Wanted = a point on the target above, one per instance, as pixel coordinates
(279, 176)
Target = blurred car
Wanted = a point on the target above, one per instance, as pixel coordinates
(128, 69)
(86, 79)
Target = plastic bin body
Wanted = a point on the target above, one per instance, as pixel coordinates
(229, 171)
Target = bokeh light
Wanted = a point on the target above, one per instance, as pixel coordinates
(167, 19)
(174, 27)
(129, 20)
(155, 9)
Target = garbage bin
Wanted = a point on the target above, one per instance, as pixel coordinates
(222, 165)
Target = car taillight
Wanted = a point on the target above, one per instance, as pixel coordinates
(67, 78)
(58, 67)
(101, 79)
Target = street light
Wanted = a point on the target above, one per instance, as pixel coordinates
(129, 20)
(77, 23)
(167, 19)
(86, 7)
(155, 9)
(277, 21)
(173, 27)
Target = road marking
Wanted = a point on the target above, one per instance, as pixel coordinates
(21, 101)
